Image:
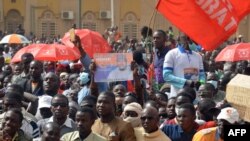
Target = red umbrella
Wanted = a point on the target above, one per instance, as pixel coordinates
(235, 52)
(92, 41)
(33, 48)
(48, 52)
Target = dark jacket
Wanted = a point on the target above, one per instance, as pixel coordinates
(26, 84)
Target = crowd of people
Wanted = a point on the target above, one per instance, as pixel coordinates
(177, 93)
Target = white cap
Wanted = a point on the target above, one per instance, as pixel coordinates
(229, 114)
(44, 101)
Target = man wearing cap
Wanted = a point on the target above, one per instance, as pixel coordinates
(44, 105)
(60, 110)
(84, 82)
(227, 116)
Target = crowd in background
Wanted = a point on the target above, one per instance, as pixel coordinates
(177, 92)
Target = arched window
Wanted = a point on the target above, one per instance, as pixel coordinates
(130, 26)
(48, 25)
(89, 21)
(13, 19)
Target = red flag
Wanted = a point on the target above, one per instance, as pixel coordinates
(207, 22)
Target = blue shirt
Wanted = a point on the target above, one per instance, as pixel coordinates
(175, 133)
(86, 61)
(82, 93)
(158, 64)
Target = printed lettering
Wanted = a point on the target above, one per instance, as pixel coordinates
(220, 15)
(206, 4)
(243, 131)
(199, 2)
(231, 132)
(219, 11)
(213, 7)
(231, 24)
(229, 5)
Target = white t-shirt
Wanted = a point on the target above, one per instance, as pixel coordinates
(185, 65)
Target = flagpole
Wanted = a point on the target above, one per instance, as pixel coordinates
(152, 18)
(153, 15)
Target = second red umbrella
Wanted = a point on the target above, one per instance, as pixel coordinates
(92, 41)
(235, 52)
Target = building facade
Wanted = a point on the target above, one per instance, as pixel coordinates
(55, 17)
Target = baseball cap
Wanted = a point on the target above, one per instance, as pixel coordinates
(44, 101)
(229, 114)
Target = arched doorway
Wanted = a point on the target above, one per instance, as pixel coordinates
(89, 21)
(130, 25)
(47, 24)
(12, 20)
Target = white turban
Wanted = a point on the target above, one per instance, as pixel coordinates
(135, 121)
(134, 107)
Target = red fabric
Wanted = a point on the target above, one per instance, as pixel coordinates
(207, 22)
(174, 121)
(171, 121)
(206, 125)
(118, 36)
(150, 74)
(235, 52)
(60, 91)
(48, 52)
(92, 42)
(130, 86)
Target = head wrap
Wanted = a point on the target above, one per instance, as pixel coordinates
(134, 121)
(84, 77)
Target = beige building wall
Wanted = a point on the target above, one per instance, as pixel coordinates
(45, 16)
(244, 29)
(1, 16)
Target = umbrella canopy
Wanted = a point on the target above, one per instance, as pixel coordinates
(235, 52)
(48, 52)
(14, 39)
(92, 41)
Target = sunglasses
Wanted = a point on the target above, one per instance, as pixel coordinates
(59, 104)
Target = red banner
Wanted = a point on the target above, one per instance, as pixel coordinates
(207, 22)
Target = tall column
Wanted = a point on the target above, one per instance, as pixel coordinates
(78, 14)
(1, 16)
(112, 13)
